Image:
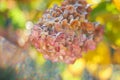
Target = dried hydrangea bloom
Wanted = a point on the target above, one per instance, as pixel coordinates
(64, 32)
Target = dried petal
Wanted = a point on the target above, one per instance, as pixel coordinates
(63, 33)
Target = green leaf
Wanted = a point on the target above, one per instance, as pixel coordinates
(100, 9)
(105, 7)
(17, 17)
(2, 21)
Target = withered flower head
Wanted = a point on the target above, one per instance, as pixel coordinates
(64, 32)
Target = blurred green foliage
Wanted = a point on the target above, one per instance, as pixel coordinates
(18, 12)
(107, 14)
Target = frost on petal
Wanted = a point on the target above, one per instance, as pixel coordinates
(64, 32)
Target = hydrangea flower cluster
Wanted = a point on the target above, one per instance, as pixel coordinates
(64, 32)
